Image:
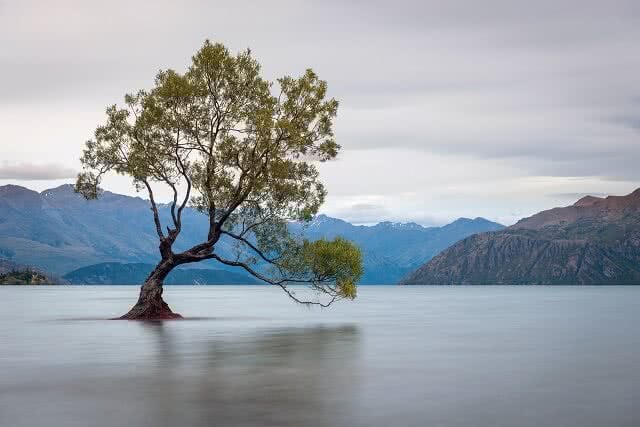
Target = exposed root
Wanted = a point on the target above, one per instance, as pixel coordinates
(151, 311)
(150, 305)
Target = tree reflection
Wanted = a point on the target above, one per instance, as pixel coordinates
(293, 376)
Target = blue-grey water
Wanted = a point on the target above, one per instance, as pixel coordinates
(413, 356)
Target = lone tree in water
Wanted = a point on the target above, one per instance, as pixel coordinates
(241, 150)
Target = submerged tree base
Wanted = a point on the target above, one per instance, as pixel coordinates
(156, 310)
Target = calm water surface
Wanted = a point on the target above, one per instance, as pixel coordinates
(419, 356)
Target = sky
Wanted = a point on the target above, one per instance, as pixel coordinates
(447, 109)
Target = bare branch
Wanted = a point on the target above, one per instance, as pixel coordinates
(154, 208)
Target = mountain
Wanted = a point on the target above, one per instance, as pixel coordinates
(113, 273)
(596, 241)
(29, 277)
(58, 231)
(392, 249)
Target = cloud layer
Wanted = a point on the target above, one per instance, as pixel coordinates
(447, 108)
(35, 172)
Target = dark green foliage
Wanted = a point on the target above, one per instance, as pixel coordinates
(25, 277)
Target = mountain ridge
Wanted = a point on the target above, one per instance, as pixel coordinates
(594, 241)
(59, 231)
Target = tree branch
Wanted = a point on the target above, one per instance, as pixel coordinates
(251, 245)
(280, 283)
(154, 208)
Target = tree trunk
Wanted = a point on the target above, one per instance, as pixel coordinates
(150, 305)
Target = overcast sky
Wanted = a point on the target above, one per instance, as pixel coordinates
(447, 109)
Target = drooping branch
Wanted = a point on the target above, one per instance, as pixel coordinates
(250, 245)
(282, 283)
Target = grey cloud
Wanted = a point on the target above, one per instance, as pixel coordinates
(35, 172)
(631, 120)
(548, 87)
(372, 213)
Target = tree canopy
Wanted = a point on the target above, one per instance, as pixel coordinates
(243, 151)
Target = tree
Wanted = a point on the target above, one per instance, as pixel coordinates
(240, 149)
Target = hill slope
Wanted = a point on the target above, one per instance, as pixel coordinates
(594, 241)
(27, 277)
(133, 274)
(16, 274)
(59, 231)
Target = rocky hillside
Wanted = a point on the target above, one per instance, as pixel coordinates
(596, 241)
(28, 277)
(16, 274)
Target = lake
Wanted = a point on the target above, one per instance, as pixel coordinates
(411, 356)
